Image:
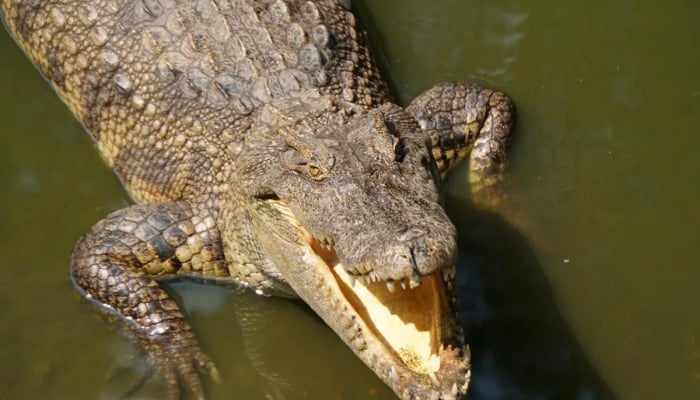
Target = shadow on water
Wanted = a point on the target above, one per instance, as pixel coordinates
(521, 345)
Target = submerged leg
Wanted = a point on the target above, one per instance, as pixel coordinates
(116, 263)
(466, 119)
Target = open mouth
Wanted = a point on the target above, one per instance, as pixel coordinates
(404, 330)
(405, 316)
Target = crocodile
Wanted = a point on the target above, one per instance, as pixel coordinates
(263, 148)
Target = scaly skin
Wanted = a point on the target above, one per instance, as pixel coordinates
(264, 150)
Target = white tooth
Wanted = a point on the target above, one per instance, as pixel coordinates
(433, 378)
(414, 283)
(352, 279)
(455, 389)
(467, 379)
(392, 372)
(435, 396)
(403, 284)
(449, 273)
(390, 286)
(446, 396)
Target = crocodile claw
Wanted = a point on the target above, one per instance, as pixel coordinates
(180, 364)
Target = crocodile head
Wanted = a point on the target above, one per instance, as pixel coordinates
(352, 221)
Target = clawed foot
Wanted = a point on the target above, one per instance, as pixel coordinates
(185, 370)
(181, 366)
(179, 362)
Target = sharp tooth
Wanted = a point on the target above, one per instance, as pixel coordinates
(390, 285)
(414, 282)
(449, 273)
(433, 378)
(403, 284)
(352, 279)
(467, 379)
(455, 389)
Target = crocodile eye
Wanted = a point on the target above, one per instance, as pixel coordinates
(315, 172)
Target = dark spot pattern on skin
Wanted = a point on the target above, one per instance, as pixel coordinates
(162, 248)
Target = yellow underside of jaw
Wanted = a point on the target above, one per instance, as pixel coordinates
(407, 320)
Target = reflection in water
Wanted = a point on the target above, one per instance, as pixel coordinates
(443, 47)
(503, 35)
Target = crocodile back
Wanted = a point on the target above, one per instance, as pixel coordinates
(168, 87)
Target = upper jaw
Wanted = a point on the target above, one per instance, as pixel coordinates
(410, 282)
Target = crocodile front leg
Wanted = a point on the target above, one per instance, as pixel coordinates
(467, 119)
(116, 264)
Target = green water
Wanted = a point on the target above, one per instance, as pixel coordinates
(587, 291)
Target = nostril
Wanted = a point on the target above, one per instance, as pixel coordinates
(414, 264)
(426, 259)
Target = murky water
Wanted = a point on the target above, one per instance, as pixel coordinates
(587, 290)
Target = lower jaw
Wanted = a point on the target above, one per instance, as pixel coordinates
(404, 334)
(400, 333)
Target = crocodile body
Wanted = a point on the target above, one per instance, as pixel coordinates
(262, 148)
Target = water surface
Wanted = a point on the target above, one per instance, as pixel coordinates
(586, 290)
